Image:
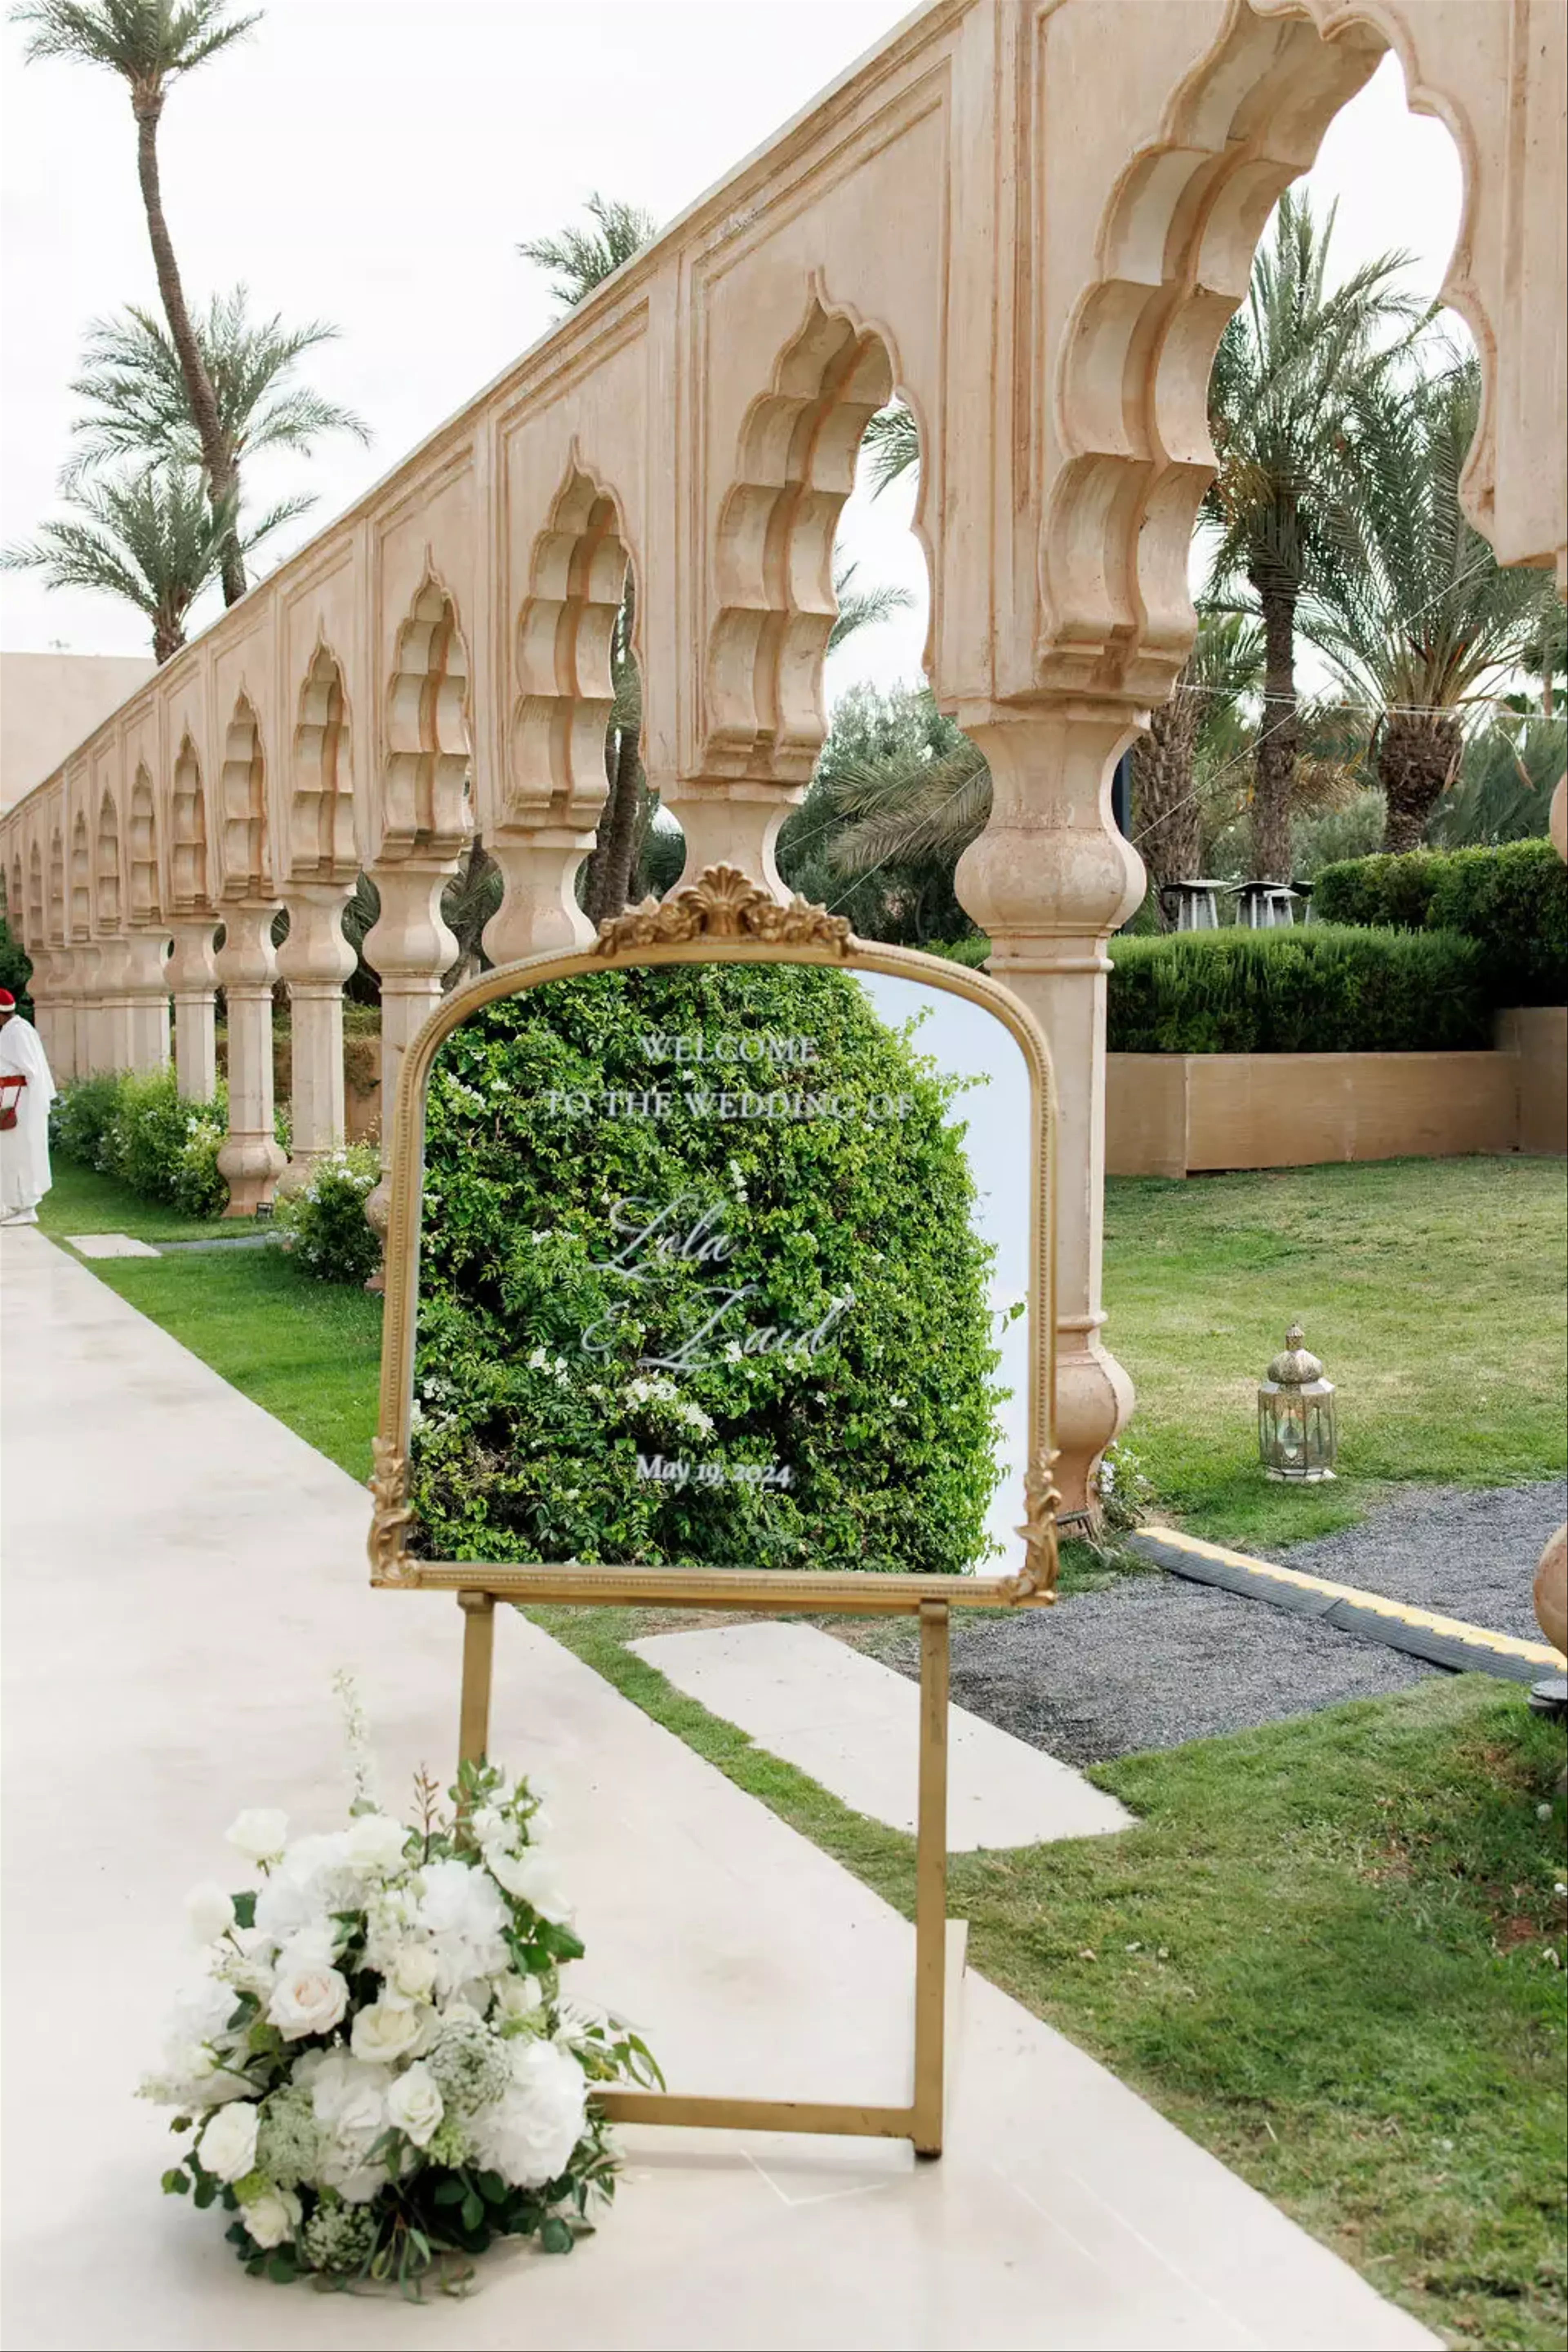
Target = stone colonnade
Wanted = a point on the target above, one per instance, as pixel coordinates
(1028, 221)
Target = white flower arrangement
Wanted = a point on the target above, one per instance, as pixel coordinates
(375, 2063)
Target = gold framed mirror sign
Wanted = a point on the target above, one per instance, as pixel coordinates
(719, 1275)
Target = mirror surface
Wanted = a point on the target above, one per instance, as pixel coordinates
(724, 1265)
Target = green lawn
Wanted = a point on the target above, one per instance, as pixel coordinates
(1433, 1290)
(1332, 1950)
(82, 1202)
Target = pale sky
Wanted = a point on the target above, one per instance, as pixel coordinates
(376, 161)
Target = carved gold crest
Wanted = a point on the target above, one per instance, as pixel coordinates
(722, 904)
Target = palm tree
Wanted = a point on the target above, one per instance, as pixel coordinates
(585, 258)
(1224, 667)
(862, 608)
(150, 44)
(139, 406)
(1409, 603)
(154, 538)
(1290, 366)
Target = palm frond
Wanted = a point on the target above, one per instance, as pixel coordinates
(147, 42)
(862, 608)
(582, 259)
(892, 440)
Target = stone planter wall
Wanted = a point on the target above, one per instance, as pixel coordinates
(1178, 1114)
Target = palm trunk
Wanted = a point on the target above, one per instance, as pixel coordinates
(1278, 743)
(616, 841)
(1416, 758)
(168, 637)
(1167, 828)
(223, 481)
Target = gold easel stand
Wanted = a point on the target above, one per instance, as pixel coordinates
(921, 2121)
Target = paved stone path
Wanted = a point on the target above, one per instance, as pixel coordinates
(182, 1575)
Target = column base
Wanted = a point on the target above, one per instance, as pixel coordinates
(250, 1167)
(1094, 1402)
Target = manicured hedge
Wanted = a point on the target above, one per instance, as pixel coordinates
(1512, 902)
(1317, 988)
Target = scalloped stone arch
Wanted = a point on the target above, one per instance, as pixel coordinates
(144, 845)
(81, 880)
(36, 931)
(16, 902)
(426, 812)
(773, 558)
(1174, 253)
(565, 642)
(190, 890)
(321, 798)
(242, 801)
(106, 866)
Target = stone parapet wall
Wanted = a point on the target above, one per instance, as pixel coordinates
(1181, 1114)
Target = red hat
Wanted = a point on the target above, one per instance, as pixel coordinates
(7, 1002)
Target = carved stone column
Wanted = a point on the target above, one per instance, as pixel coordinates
(730, 821)
(89, 1038)
(246, 965)
(43, 989)
(146, 1000)
(1049, 879)
(540, 909)
(114, 1049)
(315, 959)
(409, 947)
(60, 1043)
(193, 977)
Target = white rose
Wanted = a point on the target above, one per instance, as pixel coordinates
(528, 2136)
(208, 1912)
(272, 2217)
(309, 1995)
(519, 1997)
(386, 2031)
(531, 1876)
(487, 1825)
(376, 1841)
(261, 1834)
(414, 2104)
(413, 1972)
(228, 2144)
(360, 2185)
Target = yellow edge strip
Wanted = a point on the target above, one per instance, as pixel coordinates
(1539, 1653)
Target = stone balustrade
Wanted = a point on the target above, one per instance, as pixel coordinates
(1028, 223)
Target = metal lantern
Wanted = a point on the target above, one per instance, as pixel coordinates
(1296, 1436)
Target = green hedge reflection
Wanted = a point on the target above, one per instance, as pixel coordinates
(699, 1284)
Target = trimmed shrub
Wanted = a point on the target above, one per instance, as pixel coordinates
(138, 1130)
(537, 1371)
(1512, 900)
(16, 969)
(323, 1225)
(80, 1116)
(1313, 989)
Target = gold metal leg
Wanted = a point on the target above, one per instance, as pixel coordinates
(931, 1883)
(479, 1651)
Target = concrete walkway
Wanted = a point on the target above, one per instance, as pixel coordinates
(854, 1726)
(183, 1577)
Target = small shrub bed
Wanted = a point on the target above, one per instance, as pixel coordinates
(324, 1224)
(1511, 901)
(139, 1131)
(1320, 989)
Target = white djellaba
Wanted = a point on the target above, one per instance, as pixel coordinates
(25, 1145)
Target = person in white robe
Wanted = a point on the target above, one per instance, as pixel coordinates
(24, 1117)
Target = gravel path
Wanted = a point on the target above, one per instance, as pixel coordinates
(1153, 1661)
(1468, 1553)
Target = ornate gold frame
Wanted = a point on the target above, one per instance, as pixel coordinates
(723, 917)
(726, 917)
